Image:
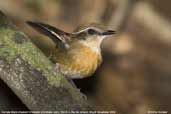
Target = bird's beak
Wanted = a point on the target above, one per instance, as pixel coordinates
(108, 32)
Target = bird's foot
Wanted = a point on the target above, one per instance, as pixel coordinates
(73, 85)
(71, 82)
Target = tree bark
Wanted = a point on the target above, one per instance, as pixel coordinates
(31, 76)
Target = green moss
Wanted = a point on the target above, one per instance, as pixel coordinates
(10, 49)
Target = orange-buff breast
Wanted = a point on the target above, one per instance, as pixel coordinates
(78, 62)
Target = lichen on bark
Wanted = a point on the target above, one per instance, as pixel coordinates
(25, 69)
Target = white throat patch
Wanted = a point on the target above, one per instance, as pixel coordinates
(93, 44)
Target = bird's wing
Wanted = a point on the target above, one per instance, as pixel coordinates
(58, 36)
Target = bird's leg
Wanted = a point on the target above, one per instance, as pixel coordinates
(73, 84)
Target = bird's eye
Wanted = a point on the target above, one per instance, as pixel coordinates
(91, 31)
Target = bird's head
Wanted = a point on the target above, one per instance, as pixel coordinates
(92, 36)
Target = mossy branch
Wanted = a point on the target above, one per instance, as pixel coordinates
(31, 76)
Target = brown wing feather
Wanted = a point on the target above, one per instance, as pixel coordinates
(58, 36)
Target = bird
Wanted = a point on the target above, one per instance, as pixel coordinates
(77, 54)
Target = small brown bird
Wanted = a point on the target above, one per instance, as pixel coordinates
(77, 54)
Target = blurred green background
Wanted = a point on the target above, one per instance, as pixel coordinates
(135, 76)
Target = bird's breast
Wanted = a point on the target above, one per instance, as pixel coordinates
(79, 61)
